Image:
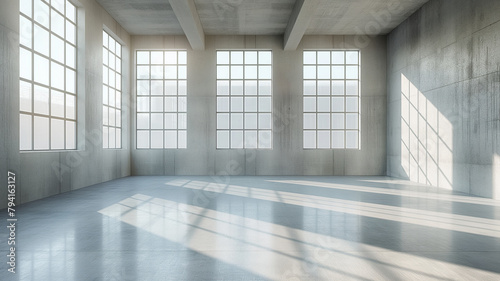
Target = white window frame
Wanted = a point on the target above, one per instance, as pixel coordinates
(331, 99)
(58, 103)
(173, 96)
(244, 116)
(112, 125)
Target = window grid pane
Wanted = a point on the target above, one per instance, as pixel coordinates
(111, 92)
(331, 100)
(161, 78)
(244, 99)
(48, 75)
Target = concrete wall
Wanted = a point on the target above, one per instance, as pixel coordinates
(41, 174)
(444, 96)
(287, 156)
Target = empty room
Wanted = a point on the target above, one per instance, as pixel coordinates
(274, 140)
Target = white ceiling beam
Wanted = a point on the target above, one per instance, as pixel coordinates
(299, 22)
(186, 13)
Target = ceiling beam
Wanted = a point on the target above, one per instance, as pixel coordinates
(297, 25)
(186, 13)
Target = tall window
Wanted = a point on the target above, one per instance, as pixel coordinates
(47, 75)
(331, 99)
(244, 104)
(161, 99)
(111, 92)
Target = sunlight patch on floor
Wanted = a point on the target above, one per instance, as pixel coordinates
(398, 192)
(275, 251)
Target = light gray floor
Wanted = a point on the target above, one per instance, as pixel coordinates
(256, 228)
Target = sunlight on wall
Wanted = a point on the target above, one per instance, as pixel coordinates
(496, 176)
(426, 139)
(274, 251)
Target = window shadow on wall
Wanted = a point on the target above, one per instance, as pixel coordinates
(426, 139)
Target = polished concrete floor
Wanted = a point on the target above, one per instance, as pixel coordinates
(256, 228)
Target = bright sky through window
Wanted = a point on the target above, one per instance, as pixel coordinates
(47, 75)
(161, 99)
(331, 99)
(244, 99)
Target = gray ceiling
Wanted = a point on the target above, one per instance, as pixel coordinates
(338, 17)
(261, 17)
(144, 17)
(249, 17)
